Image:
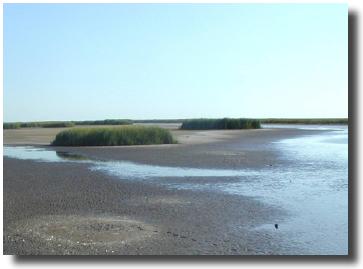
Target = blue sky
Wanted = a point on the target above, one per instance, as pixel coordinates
(98, 61)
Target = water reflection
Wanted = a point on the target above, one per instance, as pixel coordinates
(42, 154)
(71, 156)
(123, 169)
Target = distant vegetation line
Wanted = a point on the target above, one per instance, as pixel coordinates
(306, 121)
(114, 136)
(43, 124)
(159, 121)
(226, 123)
(55, 124)
(104, 122)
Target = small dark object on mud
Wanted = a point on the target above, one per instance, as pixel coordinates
(276, 226)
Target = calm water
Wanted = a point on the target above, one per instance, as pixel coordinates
(313, 187)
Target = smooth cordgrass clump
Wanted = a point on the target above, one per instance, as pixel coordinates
(114, 136)
(226, 123)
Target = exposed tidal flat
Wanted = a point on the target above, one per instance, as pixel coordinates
(216, 192)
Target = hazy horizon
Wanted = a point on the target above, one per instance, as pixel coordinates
(146, 119)
(175, 61)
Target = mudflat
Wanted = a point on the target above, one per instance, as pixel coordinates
(66, 208)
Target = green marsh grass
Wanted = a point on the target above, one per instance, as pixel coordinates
(226, 123)
(114, 136)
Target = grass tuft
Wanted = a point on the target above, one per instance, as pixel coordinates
(114, 136)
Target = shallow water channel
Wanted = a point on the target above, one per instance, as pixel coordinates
(313, 187)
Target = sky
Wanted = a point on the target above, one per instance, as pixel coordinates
(165, 61)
